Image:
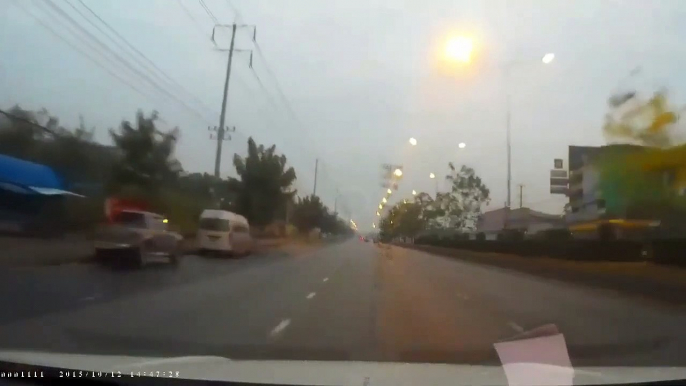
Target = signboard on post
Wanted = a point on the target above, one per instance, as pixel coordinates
(558, 181)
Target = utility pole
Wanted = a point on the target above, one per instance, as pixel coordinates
(316, 166)
(335, 202)
(521, 195)
(222, 117)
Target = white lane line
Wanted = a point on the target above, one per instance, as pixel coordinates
(280, 327)
(515, 327)
(325, 279)
(89, 298)
(311, 295)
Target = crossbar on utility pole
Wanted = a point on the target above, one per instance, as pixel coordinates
(222, 117)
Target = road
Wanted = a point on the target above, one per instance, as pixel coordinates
(348, 301)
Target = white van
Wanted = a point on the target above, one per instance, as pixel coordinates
(225, 232)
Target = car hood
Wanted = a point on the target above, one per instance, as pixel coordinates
(330, 372)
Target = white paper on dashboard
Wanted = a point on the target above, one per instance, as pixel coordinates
(537, 361)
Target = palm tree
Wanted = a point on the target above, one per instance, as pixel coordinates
(263, 186)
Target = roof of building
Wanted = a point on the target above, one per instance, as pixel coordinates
(494, 220)
(28, 174)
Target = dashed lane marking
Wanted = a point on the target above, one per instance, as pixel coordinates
(280, 327)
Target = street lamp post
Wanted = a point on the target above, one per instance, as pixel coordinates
(547, 58)
(433, 177)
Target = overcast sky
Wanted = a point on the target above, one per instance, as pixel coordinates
(361, 77)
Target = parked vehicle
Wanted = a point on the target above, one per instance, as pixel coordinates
(137, 237)
(224, 232)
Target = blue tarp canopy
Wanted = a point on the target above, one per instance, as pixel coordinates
(26, 177)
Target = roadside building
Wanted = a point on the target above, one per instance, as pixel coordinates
(494, 223)
(614, 190)
(31, 198)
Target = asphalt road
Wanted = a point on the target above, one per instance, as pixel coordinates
(348, 301)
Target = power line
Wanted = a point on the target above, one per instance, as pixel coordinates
(208, 11)
(123, 61)
(276, 82)
(269, 97)
(79, 50)
(195, 21)
(160, 73)
(235, 11)
(18, 118)
(239, 18)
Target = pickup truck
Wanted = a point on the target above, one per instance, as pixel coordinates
(137, 237)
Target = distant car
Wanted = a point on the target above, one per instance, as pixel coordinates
(137, 237)
(225, 232)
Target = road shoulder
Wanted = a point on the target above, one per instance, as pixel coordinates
(643, 280)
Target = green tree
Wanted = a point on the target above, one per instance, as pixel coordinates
(38, 137)
(147, 156)
(21, 132)
(460, 208)
(309, 213)
(641, 121)
(264, 184)
(457, 210)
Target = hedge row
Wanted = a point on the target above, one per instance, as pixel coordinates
(662, 251)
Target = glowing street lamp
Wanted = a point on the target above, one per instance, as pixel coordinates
(414, 192)
(461, 145)
(413, 142)
(378, 214)
(384, 200)
(389, 191)
(547, 58)
(398, 173)
(380, 206)
(459, 49)
(431, 175)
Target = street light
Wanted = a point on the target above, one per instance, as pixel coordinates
(433, 176)
(459, 49)
(378, 214)
(398, 173)
(461, 145)
(384, 200)
(546, 59)
(414, 192)
(380, 206)
(413, 142)
(389, 191)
